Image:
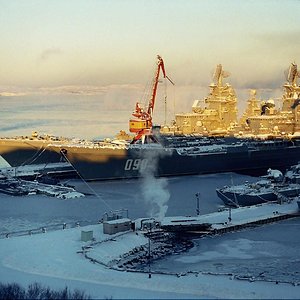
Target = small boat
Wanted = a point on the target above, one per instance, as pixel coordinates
(11, 186)
(266, 189)
(20, 187)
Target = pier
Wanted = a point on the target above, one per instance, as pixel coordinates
(30, 172)
(232, 219)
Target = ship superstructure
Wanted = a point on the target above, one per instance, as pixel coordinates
(208, 140)
(253, 109)
(284, 121)
(214, 115)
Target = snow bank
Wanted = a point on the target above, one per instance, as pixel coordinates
(54, 255)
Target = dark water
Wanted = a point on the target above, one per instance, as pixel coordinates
(17, 213)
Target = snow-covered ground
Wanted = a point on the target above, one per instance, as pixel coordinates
(270, 252)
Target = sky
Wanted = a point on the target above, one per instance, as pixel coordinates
(55, 43)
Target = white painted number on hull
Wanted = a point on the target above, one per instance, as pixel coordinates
(137, 164)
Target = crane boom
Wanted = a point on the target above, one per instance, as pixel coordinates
(160, 66)
(142, 125)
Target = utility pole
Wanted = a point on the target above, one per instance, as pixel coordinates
(229, 215)
(149, 251)
(198, 203)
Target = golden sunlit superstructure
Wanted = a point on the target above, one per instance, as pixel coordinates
(253, 109)
(279, 122)
(216, 115)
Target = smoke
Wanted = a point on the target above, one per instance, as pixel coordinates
(154, 190)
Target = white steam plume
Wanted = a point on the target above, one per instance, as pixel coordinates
(155, 191)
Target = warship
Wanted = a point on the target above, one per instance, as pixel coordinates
(210, 139)
(267, 189)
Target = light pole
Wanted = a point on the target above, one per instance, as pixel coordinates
(149, 250)
(198, 204)
(229, 215)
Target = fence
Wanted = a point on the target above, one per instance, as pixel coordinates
(44, 229)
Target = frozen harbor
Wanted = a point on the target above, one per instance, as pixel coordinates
(265, 253)
(176, 194)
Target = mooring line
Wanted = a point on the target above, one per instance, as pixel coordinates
(89, 187)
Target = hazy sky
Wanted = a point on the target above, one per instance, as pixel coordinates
(49, 43)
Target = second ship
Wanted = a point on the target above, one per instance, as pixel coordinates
(208, 140)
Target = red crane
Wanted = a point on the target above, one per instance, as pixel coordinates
(142, 124)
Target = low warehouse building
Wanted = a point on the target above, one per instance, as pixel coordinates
(115, 226)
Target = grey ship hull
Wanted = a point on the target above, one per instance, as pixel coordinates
(254, 197)
(28, 151)
(239, 199)
(186, 156)
(20, 153)
(102, 164)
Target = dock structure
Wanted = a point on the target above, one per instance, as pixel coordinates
(232, 219)
(56, 170)
(59, 191)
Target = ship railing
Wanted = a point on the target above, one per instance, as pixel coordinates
(202, 149)
(91, 145)
(146, 146)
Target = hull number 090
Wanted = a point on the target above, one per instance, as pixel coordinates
(137, 164)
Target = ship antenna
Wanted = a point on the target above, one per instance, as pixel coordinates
(165, 121)
(292, 74)
(219, 74)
